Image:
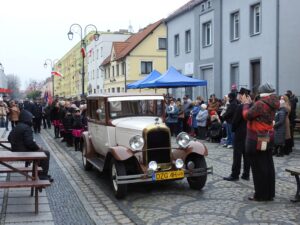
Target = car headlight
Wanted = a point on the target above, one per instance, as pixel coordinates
(183, 140)
(136, 142)
(152, 165)
(179, 163)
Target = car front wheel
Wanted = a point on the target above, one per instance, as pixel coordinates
(118, 169)
(197, 182)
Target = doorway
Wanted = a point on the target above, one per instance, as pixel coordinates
(255, 76)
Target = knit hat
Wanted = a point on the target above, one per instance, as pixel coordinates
(266, 88)
(203, 106)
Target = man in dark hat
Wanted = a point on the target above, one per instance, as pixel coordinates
(239, 127)
(292, 116)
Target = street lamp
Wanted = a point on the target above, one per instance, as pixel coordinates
(51, 63)
(82, 39)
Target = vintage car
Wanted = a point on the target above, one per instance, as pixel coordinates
(128, 139)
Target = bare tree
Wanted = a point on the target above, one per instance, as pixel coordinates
(13, 83)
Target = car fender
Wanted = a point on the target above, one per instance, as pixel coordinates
(195, 147)
(121, 153)
(90, 150)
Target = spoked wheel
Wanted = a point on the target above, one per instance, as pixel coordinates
(86, 164)
(117, 169)
(197, 182)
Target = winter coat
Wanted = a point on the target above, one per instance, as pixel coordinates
(280, 126)
(215, 129)
(37, 111)
(54, 113)
(3, 109)
(14, 113)
(239, 127)
(230, 110)
(202, 118)
(260, 115)
(287, 122)
(21, 137)
(172, 114)
(194, 113)
(77, 122)
(68, 122)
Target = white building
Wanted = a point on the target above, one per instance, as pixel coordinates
(260, 43)
(3, 80)
(96, 52)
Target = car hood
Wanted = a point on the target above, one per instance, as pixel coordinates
(128, 127)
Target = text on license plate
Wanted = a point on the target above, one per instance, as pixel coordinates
(169, 175)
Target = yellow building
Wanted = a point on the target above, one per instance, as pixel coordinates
(136, 57)
(70, 66)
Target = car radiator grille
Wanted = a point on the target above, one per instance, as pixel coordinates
(158, 146)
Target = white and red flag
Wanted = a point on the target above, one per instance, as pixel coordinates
(82, 50)
(55, 73)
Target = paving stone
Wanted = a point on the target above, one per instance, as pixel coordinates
(28, 217)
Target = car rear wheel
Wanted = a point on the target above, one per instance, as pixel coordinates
(86, 164)
(197, 182)
(117, 169)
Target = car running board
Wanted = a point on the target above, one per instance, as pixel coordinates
(97, 163)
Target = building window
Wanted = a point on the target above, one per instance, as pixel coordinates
(202, 7)
(101, 51)
(118, 89)
(112, 90)
(108, 72)
(234, 74)
(207, 34)
(188, 43)
(123, 68)
(117, 70)
(176, 42)
(97, 54)
(146, 67)
(255, 19)
(162, 43)
(113, 71)
(208, 4)
(235, 26)
(97, 73)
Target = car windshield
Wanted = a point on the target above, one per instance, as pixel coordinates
(135, 108)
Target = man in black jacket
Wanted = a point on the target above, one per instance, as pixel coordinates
(21, 140)
(239, 127)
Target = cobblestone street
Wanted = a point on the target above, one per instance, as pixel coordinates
(81, 197)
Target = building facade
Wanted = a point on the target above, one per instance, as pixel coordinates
(135, 58)
(3, 81)
(97, 52)
(194, 45)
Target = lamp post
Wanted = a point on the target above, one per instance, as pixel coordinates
(51, 63)
(83, 45)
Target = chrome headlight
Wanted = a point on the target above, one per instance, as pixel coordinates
(152, 166)
(183, 140)
(179, 163)
(136, 142)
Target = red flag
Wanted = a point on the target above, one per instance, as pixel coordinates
(55, 73)
(82, 52)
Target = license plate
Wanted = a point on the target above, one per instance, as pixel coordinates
(169, 175)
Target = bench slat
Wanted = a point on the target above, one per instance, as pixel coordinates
(293, 170)
(21, 184)
(23, 169)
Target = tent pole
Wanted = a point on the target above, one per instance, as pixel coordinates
(206, 94)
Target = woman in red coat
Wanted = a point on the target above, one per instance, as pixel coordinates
(260, 116)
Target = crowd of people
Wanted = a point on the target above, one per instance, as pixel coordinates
(256, 127)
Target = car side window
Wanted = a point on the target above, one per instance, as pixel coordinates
(101, 110)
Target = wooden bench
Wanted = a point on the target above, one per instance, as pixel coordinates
(295, 171)
(32, 180)
(36, 184)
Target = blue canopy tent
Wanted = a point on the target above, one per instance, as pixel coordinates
(173, 79)
(152, 76)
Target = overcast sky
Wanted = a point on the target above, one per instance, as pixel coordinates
(34, 30)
